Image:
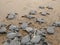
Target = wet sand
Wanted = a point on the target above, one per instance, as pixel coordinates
(23, 7)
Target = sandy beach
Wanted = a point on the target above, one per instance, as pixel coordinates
(22, 7)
